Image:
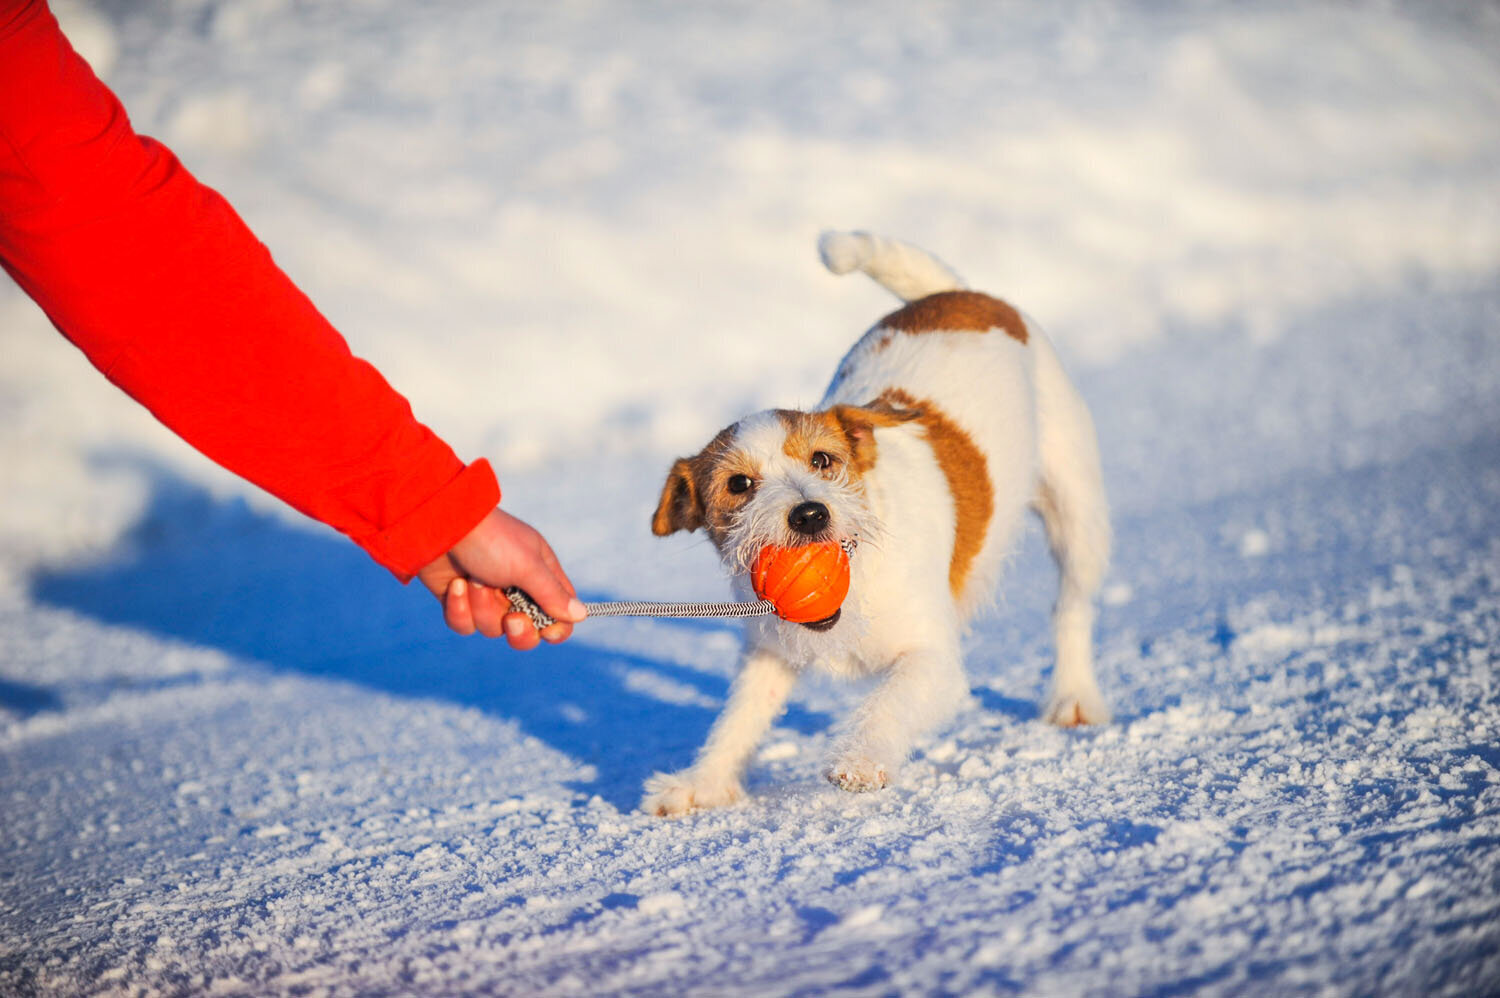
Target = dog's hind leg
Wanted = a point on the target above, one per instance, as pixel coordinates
(755, 700)
(1072, 504)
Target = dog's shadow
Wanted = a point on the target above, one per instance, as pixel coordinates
(217, 574)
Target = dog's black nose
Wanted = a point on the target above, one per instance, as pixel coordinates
(808, 517)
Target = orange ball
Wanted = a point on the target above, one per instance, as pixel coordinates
(807, 583)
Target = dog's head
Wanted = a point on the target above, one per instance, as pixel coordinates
(781, 477)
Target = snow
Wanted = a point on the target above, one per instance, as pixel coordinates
(237, 759)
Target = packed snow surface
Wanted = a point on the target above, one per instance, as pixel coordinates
(236, 758)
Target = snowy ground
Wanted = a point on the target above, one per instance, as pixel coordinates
(235, 758)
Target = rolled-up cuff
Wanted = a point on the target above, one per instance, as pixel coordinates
(439, 523)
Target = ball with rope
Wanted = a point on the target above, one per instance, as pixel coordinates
(807, 583)
(804, 585)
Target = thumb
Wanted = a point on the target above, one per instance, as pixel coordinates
(548, 591)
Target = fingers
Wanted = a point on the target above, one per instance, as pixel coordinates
(469, 607)
(457, 613)
(557, 633)
(493, 617)
(490, 610)
(519, 632)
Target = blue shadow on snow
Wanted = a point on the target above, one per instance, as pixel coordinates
(217, 574)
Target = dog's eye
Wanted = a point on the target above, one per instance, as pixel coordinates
(740, 484)
(821, 460)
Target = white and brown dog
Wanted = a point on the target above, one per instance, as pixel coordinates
(943, 423)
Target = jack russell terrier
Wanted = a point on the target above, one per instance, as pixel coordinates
(942, 424)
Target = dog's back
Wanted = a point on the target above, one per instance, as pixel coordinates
(1005, 425)
(964, 363)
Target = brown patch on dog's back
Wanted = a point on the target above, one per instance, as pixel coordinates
(858, 424)
(964, 466)
(957, 311)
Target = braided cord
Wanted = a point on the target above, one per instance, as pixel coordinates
(522, 603)
(641, 609)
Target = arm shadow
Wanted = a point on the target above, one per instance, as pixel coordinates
(217, 574)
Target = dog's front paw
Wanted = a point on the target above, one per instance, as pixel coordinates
(669, 795)
(1075, 709)
(857, 774)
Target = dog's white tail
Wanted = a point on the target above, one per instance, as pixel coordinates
(901, 268)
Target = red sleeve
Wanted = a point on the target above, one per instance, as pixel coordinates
(157, 280)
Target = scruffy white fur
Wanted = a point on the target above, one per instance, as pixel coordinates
(902, 620)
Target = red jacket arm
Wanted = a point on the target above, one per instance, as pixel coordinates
(158, 281)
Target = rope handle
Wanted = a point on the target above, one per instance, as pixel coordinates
(521, 602)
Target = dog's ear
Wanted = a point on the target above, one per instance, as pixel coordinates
(859, 423)
(680, 507)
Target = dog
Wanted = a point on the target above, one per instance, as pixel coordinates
(943, 423)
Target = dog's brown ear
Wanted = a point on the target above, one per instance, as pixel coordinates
(680, 507)
(859, 423)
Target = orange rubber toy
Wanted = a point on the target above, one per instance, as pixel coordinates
(807, 583)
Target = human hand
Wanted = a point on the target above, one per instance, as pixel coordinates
(502, 551)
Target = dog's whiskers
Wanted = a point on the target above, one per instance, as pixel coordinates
(764, 523)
